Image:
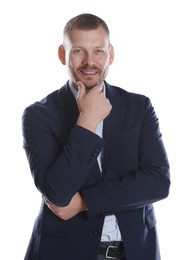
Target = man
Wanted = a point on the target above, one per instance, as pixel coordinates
(96, 155)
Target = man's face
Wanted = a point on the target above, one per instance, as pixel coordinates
(88, 55)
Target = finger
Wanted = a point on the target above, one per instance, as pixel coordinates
(81, 90)
(51, 208)
(49, 205)
(96, 89)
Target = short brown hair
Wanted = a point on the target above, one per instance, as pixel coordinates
(85, 21)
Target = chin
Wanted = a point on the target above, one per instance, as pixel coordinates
(90, 85)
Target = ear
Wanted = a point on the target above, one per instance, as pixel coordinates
(111, 54)
(61, 54)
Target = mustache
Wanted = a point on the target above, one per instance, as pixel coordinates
(86, 67)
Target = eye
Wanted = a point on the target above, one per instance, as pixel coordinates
(99, 51)
(77, 51)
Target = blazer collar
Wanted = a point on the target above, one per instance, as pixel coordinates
(67, 106)
(113, 123)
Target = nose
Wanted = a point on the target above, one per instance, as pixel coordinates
(89, 59)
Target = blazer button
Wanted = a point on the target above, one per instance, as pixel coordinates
(96, 149)
(96, 232)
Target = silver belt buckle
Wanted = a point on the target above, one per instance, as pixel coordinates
(107, 252)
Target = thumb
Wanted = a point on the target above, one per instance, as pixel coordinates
(81, 90)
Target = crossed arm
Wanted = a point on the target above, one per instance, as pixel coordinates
(76, 205)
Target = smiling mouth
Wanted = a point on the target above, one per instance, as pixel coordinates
(89, 72)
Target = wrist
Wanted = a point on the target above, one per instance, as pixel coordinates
(85, 122)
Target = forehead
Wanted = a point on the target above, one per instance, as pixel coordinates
(94, 37)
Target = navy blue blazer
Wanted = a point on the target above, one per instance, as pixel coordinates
(63, 160)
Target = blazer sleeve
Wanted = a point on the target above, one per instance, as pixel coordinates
(58, 171)
(148, 183)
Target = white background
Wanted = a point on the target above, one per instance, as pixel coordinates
(153, 56)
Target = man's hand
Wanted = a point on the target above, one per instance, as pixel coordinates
(76, 205)
(93, 106)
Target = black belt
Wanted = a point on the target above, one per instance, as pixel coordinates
(112, 250)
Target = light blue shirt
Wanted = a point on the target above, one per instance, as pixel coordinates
(110, 230)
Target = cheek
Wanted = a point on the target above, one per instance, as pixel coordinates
(76, 62)
(105, 64)
(105, 60)
(72, 64)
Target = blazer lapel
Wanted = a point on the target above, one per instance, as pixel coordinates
(67, 105)
(112, 124)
